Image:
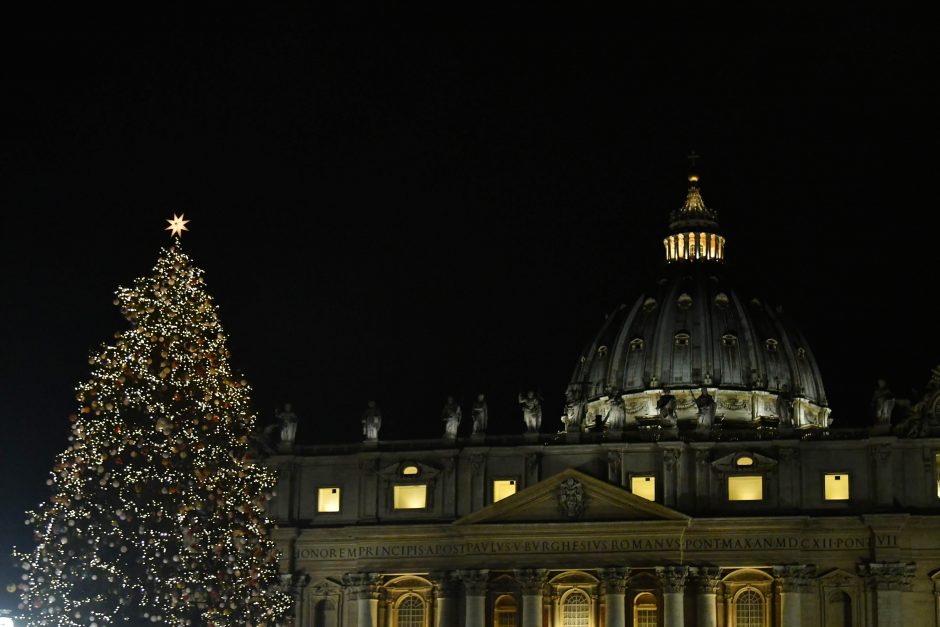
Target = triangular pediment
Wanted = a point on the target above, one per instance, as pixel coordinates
(571, 496)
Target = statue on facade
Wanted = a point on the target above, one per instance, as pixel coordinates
(616, 415)
(784, 406)
(451, 415)
(705, 409)
(882, 402)
(480, 414)
(574, 407)
(756, 379)
(666, 405)
(371, 421)
(531, 411)
(288, 421)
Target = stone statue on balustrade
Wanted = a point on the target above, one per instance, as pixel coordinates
(615, 418)
(667, 408)
(705, 409)
(531, 411)
(882, 402)
(451, 416)
(783, 406)
(480, 415)
(574, 408)
(288, 426)
(371, 422)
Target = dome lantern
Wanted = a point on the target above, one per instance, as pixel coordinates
(694, 235)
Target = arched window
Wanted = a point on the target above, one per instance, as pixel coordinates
(749, 609)
(410, 612)
(644, 610)
(576, 610)
(505, 612)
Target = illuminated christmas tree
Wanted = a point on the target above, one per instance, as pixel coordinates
(157, 511)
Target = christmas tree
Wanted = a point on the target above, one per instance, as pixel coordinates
(157, 511)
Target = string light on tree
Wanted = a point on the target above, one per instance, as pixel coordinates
(157, 509)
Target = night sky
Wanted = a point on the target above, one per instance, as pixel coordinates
(406, 217)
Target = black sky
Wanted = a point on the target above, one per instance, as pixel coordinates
(403, 217)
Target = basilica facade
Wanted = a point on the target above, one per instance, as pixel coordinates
(697, 480)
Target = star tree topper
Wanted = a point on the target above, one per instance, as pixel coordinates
(177, 225)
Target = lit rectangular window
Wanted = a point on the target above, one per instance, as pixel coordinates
(644, 487)
(837, 486)
(503, 488)
(328, 499)
(410, 496)
(748, 488)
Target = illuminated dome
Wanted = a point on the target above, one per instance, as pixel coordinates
(693, 333)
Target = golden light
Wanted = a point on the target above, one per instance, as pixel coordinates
(644, 487)
(503, 488)
(750, 488)
(837, 486)
(177, 225)
(410, 496)
(328, 499)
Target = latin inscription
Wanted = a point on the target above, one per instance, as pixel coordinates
(601, 545)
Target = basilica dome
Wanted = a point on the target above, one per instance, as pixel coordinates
(694, 344)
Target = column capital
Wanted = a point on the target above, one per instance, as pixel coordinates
(794, 577)
(888, 575)
(531, 580)
(705, 579)
(362, 585)
(614, 580)
(474, 581)
(672, 578)
(445, 583)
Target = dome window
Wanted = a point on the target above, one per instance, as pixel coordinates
(743, 461)
(649, 304)
(684, 301)
(682, 339)
(729, 339)
(602, 350)
(722, 301)
(772, 345)
(801, 352)
(409, 470)
(636, 345)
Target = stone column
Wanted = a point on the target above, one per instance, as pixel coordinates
(792, 581)
(364, 592)
(613, 586)
(886, 581)
(672, 579)
(706, 580)
(531, 581)
(445, 598)
(474, 585)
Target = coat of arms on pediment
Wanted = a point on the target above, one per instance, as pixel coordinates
(571, 497)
